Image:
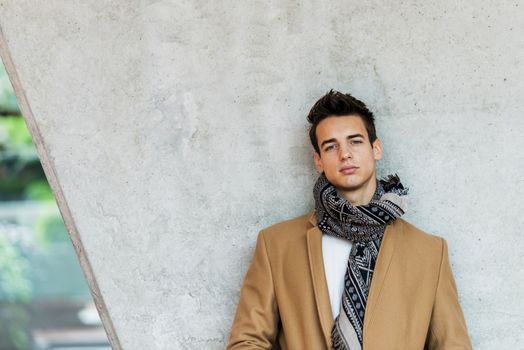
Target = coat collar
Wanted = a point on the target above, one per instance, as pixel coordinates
(316, 265)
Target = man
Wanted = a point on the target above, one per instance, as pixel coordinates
(351, 274)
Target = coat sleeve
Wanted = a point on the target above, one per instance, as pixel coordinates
(447, 329)
(255, 325)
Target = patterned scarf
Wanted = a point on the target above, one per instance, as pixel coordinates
(364, 226)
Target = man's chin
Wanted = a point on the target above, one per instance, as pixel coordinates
(348, 186)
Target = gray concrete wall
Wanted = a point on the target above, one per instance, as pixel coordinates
(173, 131)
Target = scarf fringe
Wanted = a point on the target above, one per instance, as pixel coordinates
(391, 183)
(336, 338)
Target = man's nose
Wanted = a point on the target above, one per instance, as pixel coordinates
(345, 152)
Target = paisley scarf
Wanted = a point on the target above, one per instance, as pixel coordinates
(364, 226)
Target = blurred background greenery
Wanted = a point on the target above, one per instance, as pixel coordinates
(44, 300)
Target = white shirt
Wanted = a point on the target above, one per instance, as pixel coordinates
(335, 252)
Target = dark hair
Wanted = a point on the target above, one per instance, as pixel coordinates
(335, 103)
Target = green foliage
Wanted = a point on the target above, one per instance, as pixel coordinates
(15, 135)
(8, 103)
(14, 326)
(15, 295)
(21, 174)
(49, 228)
(15, 285)
(39, 190)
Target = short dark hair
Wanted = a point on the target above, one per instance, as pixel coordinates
(335, 103)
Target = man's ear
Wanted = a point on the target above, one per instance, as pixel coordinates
(318, 162)
(377, 149)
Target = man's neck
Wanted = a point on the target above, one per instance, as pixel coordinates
(361, 196)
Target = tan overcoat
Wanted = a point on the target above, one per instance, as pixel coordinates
(284, 301)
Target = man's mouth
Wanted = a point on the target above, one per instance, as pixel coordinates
(348, 170)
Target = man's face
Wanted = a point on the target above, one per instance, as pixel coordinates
(346, 156)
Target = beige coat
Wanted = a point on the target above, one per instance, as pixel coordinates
(284, 301)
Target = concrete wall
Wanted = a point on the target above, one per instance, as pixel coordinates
(173, 131)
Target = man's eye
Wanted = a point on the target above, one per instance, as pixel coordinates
(329, 148)
(357, 141)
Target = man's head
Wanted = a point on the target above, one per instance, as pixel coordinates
(343, 135)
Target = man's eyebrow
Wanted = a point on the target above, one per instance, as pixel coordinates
(352, 136)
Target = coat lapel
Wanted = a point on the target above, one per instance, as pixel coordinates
(316, 265)
(385, 253)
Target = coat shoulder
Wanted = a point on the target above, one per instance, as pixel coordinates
(419, 241)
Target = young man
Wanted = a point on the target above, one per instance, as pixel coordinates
(351, 274)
